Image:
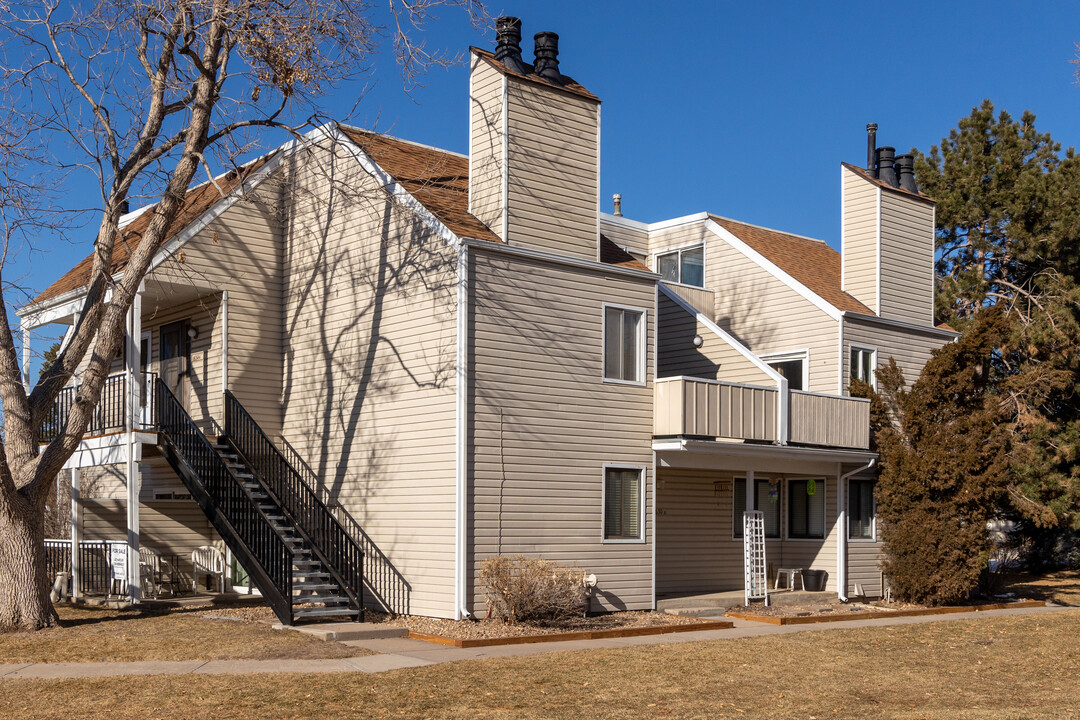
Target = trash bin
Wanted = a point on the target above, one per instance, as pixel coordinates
(813, 580)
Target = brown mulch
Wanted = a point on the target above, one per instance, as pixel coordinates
(490, 629)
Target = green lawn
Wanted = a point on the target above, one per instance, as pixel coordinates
(1024, 666)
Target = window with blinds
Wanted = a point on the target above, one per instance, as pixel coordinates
(766, 499)
(806, 508)
(624, 344)
(861, 509)
(622, 504)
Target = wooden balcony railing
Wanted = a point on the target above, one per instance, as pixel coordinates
(710, 408)
(830, 420)
(696, 407)
(108, 416)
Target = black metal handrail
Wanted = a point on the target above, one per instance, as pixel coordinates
(109, 415)
(340, 553)
(244, 527)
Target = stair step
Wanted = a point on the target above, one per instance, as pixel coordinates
(325, 612)
(314, 586)
(328, 600)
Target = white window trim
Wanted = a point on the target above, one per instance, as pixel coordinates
(873, 521)
(873, 362)
(680, 249)
(738, 480)
(643, 334)
(788, 356)
(785, 515)
(642, 472)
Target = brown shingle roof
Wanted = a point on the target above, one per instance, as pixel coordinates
(438, 179)
(612, 254)
(199, 199)
(811, 262)
(569, 84)
(861, 172)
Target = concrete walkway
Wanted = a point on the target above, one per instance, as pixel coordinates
(397, 653)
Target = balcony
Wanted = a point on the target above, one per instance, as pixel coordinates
(109, 415)
(699, 408)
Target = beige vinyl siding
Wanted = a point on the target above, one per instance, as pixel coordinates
(701, 299)
(486, 144)
(909, 347)
(167, 526)
(714, 360)
(864, 558)
(544, 422)
(695, 547)
(553, 170)
(635, 240)
(370, 354)
(907, 259)
(860, 238)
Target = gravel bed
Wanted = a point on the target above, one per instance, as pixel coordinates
(489, 628)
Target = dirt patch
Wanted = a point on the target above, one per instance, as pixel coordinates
(1061, 587)
(796, 614)
(488, 629)
(196, 632)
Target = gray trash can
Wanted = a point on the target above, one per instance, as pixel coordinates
(813, 580)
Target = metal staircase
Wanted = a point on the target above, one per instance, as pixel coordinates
(296, 553)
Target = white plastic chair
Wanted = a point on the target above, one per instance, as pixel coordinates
(206, 560)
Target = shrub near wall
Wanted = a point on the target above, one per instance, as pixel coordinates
(532, 590)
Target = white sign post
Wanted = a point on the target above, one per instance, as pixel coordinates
(755, 582)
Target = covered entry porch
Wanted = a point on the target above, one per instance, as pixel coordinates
(703, 488)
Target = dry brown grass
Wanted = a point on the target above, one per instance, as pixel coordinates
(96, 635)
(1062, 587)
(994, 668)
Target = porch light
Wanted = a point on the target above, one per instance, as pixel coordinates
(192, 333)
(698, 341)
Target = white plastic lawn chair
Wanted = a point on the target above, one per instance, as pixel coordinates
(206, 560)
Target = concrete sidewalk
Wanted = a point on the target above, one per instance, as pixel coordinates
(397, 653)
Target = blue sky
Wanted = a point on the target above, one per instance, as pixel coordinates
(747, 109)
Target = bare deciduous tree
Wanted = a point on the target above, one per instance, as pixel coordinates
(147, 93)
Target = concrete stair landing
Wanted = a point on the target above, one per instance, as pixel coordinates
(716, 604)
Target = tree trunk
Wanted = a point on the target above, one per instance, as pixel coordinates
(24, 581)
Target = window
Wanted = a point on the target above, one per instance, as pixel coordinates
(766, 499)
(791, 366)
(806, 508)
(863, 362)
(624, 344)
(686, 266)
(622, 504)
(861, 509)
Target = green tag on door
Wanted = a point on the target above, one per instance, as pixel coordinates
(811, 487)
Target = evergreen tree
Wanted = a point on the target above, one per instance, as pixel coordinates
(944, 450)
(1008, 236)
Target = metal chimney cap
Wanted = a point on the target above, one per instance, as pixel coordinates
(546, 49)
(508, 43)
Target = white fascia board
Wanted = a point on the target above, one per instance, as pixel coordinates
(900, 325)
(720, 333)
(391, 185)
(754, 449)
(774, 270)
(624, 222)
(675, 222)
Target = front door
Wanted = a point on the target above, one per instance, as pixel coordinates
(174, 359)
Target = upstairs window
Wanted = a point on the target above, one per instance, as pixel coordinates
(624, 344)
(792, 366)
(686, 266)
(863, 364)
(861, 509)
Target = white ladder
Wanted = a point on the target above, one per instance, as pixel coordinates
(755, 581)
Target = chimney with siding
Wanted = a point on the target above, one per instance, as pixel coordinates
(534, 147)
(887, 237)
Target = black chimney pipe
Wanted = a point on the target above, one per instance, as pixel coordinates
(871, 143)
(886, 173)
(508, 44)
(547, 57)
(905, 165)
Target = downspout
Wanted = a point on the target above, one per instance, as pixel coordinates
(462, 397)
(841, 521)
